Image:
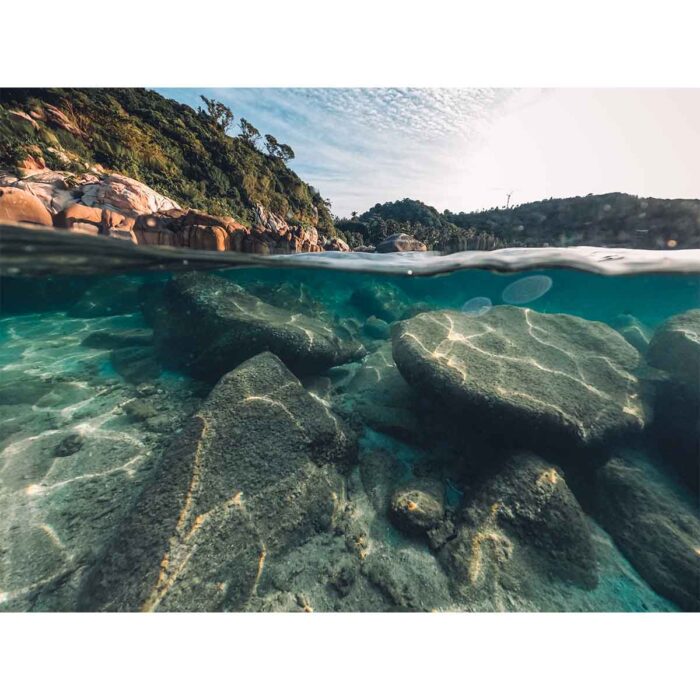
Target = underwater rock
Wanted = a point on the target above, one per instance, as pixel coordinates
(521, 524)
(633, 331)
(676, 428)
(415, 309)
(344, 574)
(418, 506)
(114, 339)
(380, 472)
(654, 525)
(675, 348)
(18, 387)
(232, 326)
(140, 410)
(252, 474)
(377, 395)
(537, 379)
(69, 445)
(400, 243)
(60, 511)
(381, 299)
(113, 296)
(297, 297)
(135, 364)
(411, 580)
(376, 328)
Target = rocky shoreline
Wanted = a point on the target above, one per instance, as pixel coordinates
(98, 203)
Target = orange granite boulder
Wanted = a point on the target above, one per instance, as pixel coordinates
(21, 207)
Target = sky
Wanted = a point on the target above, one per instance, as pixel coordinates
(469, 149)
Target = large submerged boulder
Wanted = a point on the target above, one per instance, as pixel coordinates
(384, 300)
(254, 473)
(531, 378)
(654, 525)
(520, 524)
(209, 325)
(675, 348)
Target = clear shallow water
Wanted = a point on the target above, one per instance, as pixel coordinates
(289, 438)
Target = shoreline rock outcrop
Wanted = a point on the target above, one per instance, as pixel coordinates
(113, 205)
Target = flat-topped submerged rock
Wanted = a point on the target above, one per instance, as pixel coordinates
(531, 377)
(208, 325)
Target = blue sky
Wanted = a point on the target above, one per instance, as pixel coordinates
(468, 149)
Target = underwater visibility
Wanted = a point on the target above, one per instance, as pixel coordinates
(506, 431)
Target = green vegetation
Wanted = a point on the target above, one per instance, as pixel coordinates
(415, 219)
(613, 219)
(181, 152)
(606, 219)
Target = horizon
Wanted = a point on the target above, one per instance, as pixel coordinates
(475, 149)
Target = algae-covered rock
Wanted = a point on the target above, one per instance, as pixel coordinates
(209, 325)
(376, 328)
(521, 524)
(633, 331)
(380, 473)
(376, 394)
(418, 506)
(384, 300)
(675, 348)
(654, 525)
(534, 379)
(251, 475)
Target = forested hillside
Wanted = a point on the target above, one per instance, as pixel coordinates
(203, 159)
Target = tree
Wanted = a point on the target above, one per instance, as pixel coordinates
(218, 113)
(272, 145)
(277, 149)
(248, 132)
(285, 152)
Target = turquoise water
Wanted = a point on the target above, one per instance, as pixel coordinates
(288, 438)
